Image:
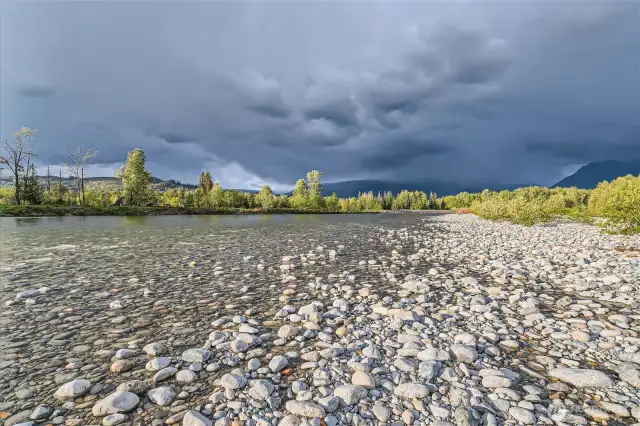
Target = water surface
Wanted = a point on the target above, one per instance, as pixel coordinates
(172, 275)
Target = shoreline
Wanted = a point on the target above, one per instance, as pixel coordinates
(60, 211)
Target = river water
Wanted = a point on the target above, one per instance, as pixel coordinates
(115, 282)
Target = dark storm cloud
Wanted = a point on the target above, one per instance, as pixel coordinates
(586, 151)
(277, 111)
(480, 92)
(402, 153)
(177, 138)
(37, 92)
(342, 112)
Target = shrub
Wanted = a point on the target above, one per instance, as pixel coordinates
(7, 196)
(618, 204)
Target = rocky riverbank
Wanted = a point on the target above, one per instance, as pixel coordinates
(442, 320)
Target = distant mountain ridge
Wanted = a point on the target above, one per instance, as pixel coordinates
(589, 175)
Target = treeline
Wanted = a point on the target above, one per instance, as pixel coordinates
(614, 206)
(136, 190)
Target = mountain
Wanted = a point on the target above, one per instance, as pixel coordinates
(588, 176)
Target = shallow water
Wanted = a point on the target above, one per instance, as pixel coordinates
(90, 262)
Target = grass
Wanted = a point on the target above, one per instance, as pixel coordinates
(51, 210)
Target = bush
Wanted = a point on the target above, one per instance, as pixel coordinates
(618, 204)
(524, 206)
(7, 196)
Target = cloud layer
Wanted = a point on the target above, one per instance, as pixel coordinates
(261, 92)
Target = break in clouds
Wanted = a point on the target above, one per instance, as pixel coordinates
(261, 92)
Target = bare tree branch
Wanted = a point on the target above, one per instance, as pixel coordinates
(18, 150)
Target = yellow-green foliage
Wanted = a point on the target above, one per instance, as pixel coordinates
(618, 204)
(6, 195)
(531, 205)
(517, 210)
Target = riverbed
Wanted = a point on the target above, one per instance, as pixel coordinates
(265, 320)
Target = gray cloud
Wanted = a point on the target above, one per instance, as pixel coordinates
(586, 151)
(37, 92)
(177, 138)
(401, 153)
(482, 93)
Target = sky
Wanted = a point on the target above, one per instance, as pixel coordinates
(260, 92)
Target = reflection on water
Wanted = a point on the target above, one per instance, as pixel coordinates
(39, 224)
(27, 221)
(135, 220)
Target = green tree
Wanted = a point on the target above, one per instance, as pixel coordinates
(301, 189)
(265, 197)
(31, 190)
(618, 204)
(313, 183)
(216, 196)
(59, 190)
(419, 201)
(300, 198)
(387, 202)
(402, 201)
(206, 184)
(332, 202)
(136, 180)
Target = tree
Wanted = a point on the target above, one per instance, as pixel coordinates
(313, 183)
(216, 196)
(60, 185)
(59, 189)
(387, 200)
(332, 202)
(48, 179)
(301, 189)
(206, 184)
(31, 189)
(136, 180)
(265, 197)
(300, 196)
(78, 165)
(18, 150)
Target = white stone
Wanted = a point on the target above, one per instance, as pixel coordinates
(73, 389)
(411, 390)
(350, 394)
(233, 381)
(193, 418)
(364, 379)
(117, 402)
(305, 409)
(582, 378)
(162, 396)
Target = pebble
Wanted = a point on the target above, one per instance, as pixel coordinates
(425, 319)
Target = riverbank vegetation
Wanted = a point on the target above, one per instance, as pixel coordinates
(615, 205)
